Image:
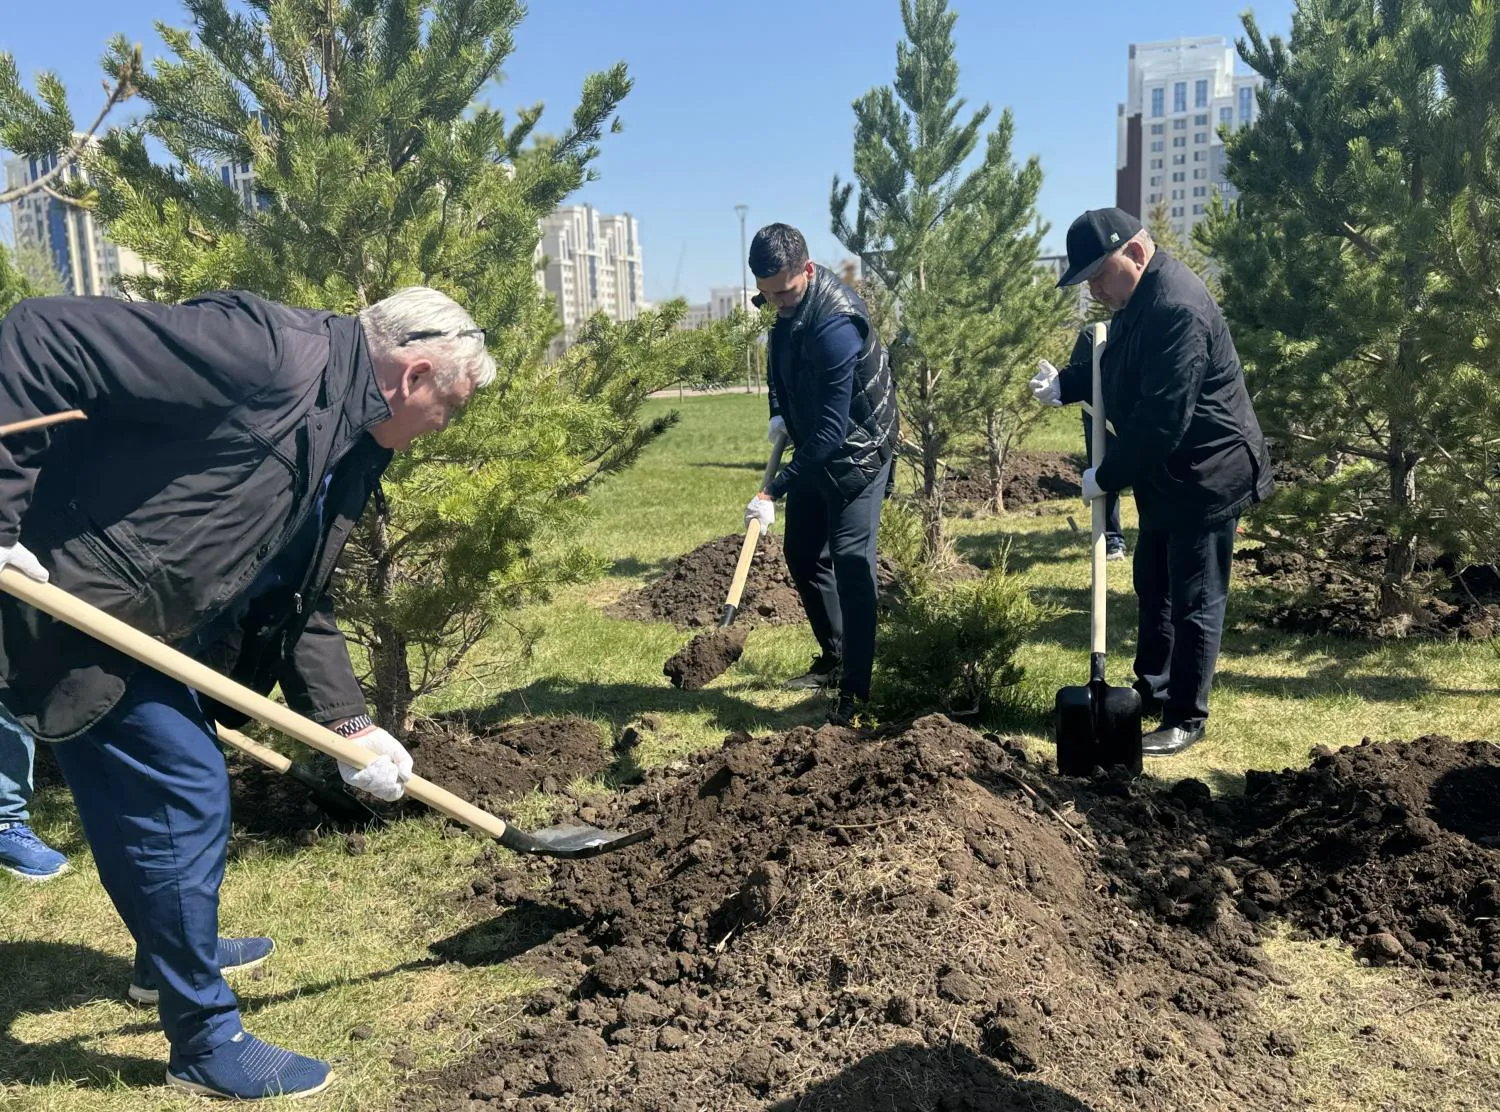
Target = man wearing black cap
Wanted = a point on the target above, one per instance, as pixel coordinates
(1187, 442)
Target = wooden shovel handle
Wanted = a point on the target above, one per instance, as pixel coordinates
(277, 762)
(753, 530)
(42, 422)
(167, 660)
(1098, 595)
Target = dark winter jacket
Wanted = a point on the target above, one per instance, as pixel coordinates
(800, 386)
(213, 428)
(1187, 440)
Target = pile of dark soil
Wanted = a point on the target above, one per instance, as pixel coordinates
(1030, 478)
(1391, 847)
(490, 766)
(830, 922)
(691, 593)
(1343, 597)
(496, 765)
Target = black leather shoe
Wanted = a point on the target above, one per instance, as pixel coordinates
(1171, 740)
(823, 673)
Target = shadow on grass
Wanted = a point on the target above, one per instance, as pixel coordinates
(916, 1076)
(507, 936)
(622, 703)
(43, 977)
(1023, 551)
(631, 567)
(726, 465)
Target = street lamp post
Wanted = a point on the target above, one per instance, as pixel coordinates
(741, 211)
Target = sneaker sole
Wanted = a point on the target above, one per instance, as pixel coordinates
(204, 1091)
(153, 996)
(37, 878)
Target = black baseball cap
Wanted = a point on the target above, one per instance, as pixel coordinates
(1095, 236)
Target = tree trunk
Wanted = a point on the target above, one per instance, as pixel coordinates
(997, 453)
(932, 512)
(388, 660)
(1401, 554)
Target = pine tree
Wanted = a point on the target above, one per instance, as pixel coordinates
(1359, 273)
(378, 165)
(955, 251)
(1185, 251)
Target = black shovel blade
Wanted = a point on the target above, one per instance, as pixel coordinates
(1073, 727)
(570, 841)
(1097, 726)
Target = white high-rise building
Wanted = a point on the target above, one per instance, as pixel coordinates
(724, 300)
(1169, 151)
(591, 263)
(85, 261)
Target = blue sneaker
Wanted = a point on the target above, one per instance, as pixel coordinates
(234, 953)
(27, 856)
(244, 1068)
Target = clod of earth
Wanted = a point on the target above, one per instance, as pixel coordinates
(704, 658)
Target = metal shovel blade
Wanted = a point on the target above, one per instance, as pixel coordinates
(1097, 726)
(570, 841)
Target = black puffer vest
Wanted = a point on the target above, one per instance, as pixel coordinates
(870, 438)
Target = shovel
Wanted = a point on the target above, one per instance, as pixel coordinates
(710, 654)
(336, 803)
(1097, 726)
(556, 841)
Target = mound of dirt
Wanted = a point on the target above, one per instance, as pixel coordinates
(1030, 478)
(1394, 848)
(1342, 597)
(691, 593)
(908, 903)
(496, 765)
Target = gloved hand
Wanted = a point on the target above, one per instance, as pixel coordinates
(385, 778)
(1044, 386)
(776, 430)
(1091, 488)
(762, 510)
(18, 556)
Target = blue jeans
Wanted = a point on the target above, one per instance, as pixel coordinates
(17, 753)
(153, 798)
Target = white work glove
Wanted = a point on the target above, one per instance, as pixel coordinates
(1044, 387)
(1091, 488)
(777, 430)
(386, 778)
(18, 556)
(762, 510)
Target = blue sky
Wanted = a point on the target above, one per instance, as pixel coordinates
(750, 103)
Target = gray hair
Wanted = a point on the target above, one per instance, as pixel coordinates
(430, 323)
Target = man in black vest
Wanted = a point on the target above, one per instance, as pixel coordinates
(1187, 442)
(230, 447)
(832, 395)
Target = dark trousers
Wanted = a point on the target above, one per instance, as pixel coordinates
(153, 798)
(830, 552)
(1113, 530)
(1182, 584)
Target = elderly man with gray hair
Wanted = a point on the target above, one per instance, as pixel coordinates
(230, 448)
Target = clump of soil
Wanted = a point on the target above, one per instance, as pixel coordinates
(833, 921)
(1342, 596)
(492, 766)
(691, 593)
(1391, 847)
(1030, 478)
(704, 657)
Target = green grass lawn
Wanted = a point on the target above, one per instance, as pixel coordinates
(356, 932)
